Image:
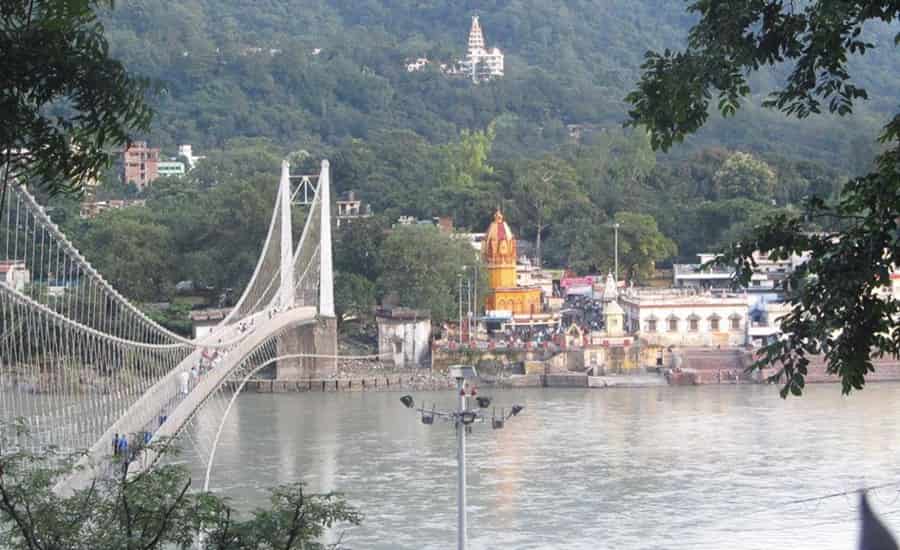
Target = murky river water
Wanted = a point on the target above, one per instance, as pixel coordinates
(692, 467)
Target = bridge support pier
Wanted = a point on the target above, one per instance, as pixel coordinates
(317, 339)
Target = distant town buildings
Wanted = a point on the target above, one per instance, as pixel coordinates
(768, 274)
(140, 164)
(90, 209)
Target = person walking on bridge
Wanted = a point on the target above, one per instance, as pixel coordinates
(184, 378)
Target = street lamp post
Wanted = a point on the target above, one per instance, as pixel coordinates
(461, 538)
(615, 227)
(459, 326)
(474, 304)
(462, 419)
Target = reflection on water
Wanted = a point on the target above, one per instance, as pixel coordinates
(691, 467)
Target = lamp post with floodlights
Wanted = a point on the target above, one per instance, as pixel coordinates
(462, 419)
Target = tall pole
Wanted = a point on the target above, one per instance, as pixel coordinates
(616, 232)
(461, 467)
(459, 327)
(286, 289)
(326, 273)
(469, 310)
(475, 302)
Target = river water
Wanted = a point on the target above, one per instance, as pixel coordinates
(705, 467)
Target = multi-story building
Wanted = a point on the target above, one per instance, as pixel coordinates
(139, 164)
(480, 63)
(767, 275)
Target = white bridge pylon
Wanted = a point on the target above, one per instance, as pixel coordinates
(81, 364)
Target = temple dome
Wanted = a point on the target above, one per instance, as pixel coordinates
(499, 246)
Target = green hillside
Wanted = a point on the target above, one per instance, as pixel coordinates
(248, 69)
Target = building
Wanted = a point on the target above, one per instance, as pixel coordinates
(139, 164)
(187, 151)
(672, 317)
(14, 274)
(481, 64)
(90, 209)
(499, 255)
(205, 320)
(767, 275)
(417, 65)
(170, 168)
(349, 207)
(404, 336)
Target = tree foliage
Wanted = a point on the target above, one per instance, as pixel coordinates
(422, 266)
(841, 302)
(147, 509)
(64, 102)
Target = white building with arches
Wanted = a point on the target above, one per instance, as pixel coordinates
(669, 317)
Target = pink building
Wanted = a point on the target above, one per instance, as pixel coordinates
(140, 164)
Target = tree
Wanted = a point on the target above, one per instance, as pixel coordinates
(151, 509)
(354, 296)
(134, 250)
(422, 266)
(742, 175)
(540, 192)
(641, 245)
(841, 303)
(64, 103)
(464, 175)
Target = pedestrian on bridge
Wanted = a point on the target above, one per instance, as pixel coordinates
(116, 444)
(184, 378)
(123, 446)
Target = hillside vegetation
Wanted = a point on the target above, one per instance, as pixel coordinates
(248, 69)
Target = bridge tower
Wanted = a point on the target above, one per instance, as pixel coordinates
(320, 338)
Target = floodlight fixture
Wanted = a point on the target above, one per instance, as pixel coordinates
(483, 402)
(407, 401)
(427, 418)
(467, 417)
(516, 409)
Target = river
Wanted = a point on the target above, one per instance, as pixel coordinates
(706, 467)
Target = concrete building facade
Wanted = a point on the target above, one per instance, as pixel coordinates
(404, 336)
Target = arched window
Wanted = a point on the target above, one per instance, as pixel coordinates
(693, 323)
(735, 322)
(672, 323)
(714, 321)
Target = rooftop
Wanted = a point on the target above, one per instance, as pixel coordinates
(402, 313)
(674, 296)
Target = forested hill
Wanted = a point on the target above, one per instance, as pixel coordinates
(233, 68)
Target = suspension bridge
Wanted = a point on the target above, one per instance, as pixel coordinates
(80, 364)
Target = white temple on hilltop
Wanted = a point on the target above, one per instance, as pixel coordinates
(481, 64)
